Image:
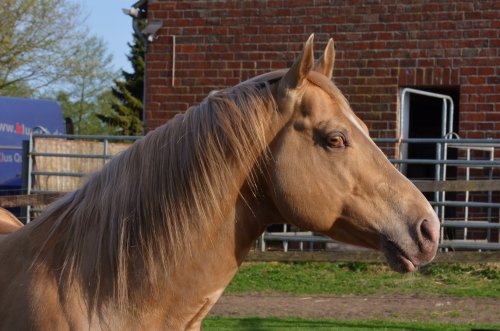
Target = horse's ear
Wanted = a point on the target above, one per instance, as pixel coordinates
(301, 67)
(325, 63)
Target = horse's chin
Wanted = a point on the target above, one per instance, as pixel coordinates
(397, 258)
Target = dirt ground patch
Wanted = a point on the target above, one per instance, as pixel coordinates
(407, 308)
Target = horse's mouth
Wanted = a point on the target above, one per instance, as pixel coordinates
(397, 258)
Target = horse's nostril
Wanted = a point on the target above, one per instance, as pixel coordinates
(429, 229)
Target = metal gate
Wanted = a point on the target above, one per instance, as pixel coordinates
(58, 163)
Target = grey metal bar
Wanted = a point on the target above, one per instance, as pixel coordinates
(471, 163)
(470, 245)
(490, 193)
(429, 94)
(280, 237)
(29, 180)
(465, 204)
(458, 141)
(471, 224)
(25, 175)
(47, 192)
(261, 243)
(89, 137)
(467, 177)
(438, 196)
(81, 156)
(444, 244)
(61, 174)
(105, 151)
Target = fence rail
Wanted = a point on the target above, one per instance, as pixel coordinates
(59, 162)
(11, 201)
(458, 185)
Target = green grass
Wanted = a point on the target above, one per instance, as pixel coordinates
(367, 279)
(298, 324)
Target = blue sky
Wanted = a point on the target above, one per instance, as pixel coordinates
(106, 20)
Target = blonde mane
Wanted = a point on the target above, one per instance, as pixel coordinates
(140, 213)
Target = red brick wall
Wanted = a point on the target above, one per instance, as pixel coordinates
(381, 45)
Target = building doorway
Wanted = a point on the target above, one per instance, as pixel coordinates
(427, 113)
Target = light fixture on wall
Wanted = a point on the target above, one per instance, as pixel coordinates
(148, 33)
(151, 29)
(134, 12)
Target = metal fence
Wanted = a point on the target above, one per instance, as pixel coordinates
(58, 163)
(463, 188)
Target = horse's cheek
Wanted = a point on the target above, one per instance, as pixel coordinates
(299, 197)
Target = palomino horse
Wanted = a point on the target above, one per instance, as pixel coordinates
(151, 241)
(8, 222)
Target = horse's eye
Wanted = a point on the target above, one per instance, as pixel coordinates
(335, 141)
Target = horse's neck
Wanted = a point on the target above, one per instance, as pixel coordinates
(201, 277)
(203, 273)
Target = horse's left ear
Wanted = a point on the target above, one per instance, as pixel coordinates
(325, 63)
(301, 67)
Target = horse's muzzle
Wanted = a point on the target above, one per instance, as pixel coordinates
(418, 249)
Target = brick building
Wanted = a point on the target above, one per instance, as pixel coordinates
(448, 47)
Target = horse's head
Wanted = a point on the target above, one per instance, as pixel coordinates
(329, 177)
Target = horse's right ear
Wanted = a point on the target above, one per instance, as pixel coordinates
(301, 67)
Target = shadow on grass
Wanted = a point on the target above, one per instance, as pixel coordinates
(296, 324)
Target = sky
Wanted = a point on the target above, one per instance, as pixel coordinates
(106, 20)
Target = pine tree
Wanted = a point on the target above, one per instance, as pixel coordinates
(127, 108)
